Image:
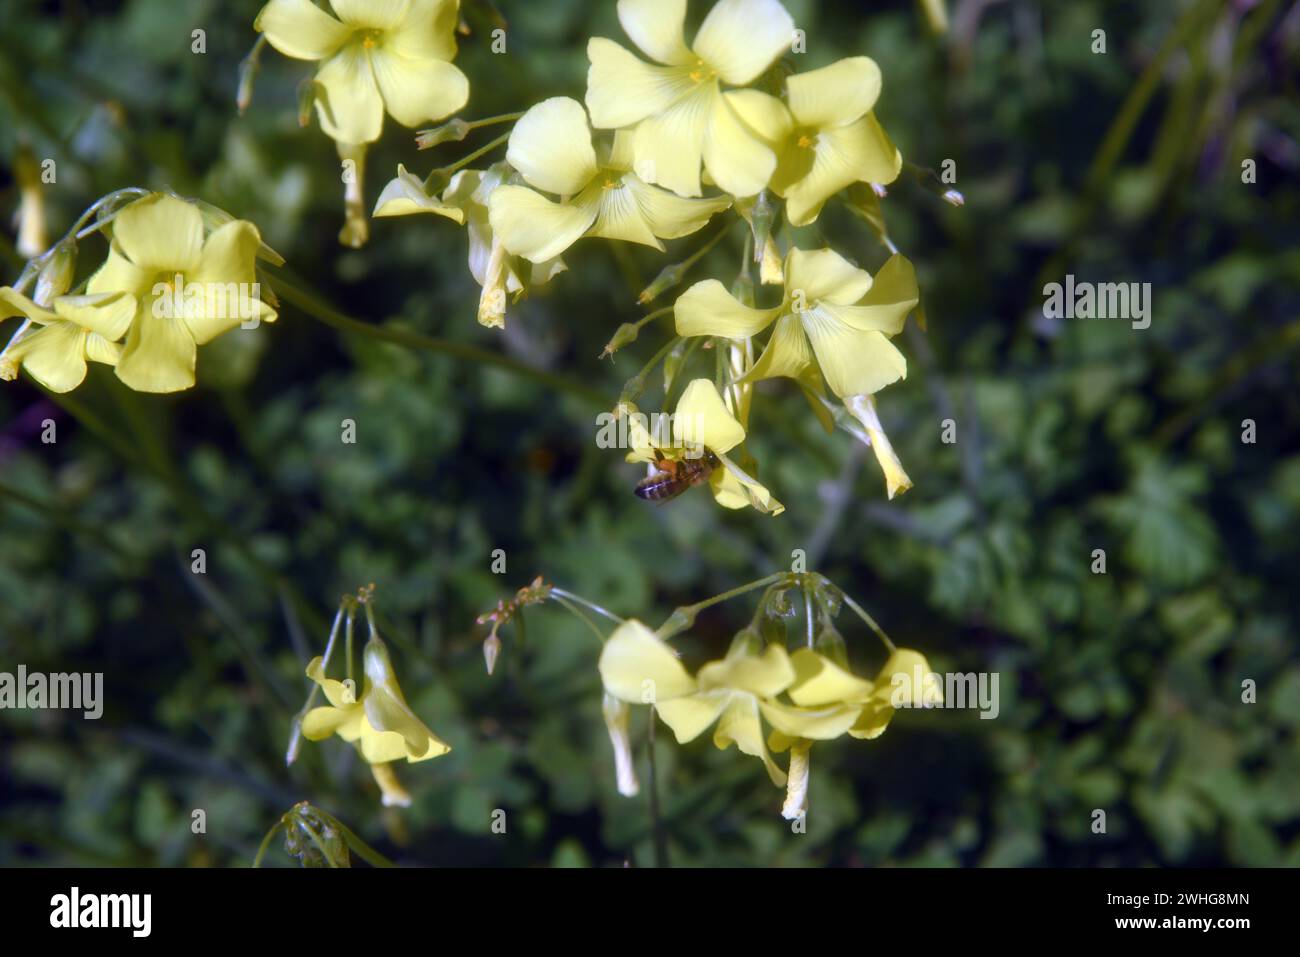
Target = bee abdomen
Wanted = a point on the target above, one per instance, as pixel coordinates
(659, 487)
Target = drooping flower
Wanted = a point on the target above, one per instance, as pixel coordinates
(378, 55)
(701, 425)
(465, 200)
(679, 111)
(638, 667)
(828, 138)
(904, 681)
(73, 330)
(863, 408)
(380, 722)
(188, 289)
(598, 195)
(829, 303)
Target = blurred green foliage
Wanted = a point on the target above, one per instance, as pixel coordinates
(1120, 691)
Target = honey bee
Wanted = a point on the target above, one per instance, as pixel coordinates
(673, 477)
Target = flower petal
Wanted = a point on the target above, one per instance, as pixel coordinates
(741, 38)
(300, 29)
(638, 667)
(14, 303)
(843, 155)
(854, 362)
(655, 26)
(702, 419)
(551, 147)
(622, 90)
(428, 32)
(337, 693)
(108, 314)
(763, 113)
(616, 714)
(884, 309)
(619, 214)
(669, 145)
(736, 157)
(707, 309)
(835, 94)
(668, 215)
(907, 681)
(416, 90)
(819, 724)
(348, 103)
(373, 14)
(765, 675)
(319, 723)
(405, 195)
(740, 724)
(53, 355)
(691, 716)
(119, 274)
(532, 226)
(863, 408)
(158, 356)
(786, 353)
(817, 274)
(99, 349)
(820, 681)
(229, 291)
(159, 233)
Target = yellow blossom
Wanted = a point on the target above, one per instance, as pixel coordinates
(187, 289)
(465, 200)
(552, 148)
(380, 722)
(701, 425)
(77, 328)
(828, 303)
(678, 109)
(828, 138)
(378, 55)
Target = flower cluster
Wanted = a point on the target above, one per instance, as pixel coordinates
(802, 696)
(177, 276)
(668, 140)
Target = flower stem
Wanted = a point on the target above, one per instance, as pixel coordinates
(560, 592)
(871, 622)
(276, 828)
(295, 737)
(684, 616)
(466, 160)
(658, 834)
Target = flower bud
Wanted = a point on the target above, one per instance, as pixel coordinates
(55, 277)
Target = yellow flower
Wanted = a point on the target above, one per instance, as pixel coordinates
(187, 290)
(828, 138)
(829, 302)
(551, 147)
(77, 328)
(616, 715)
(905, 681)
(380, 722)
(680, 113)
(465, 200)
(636, 666)
(378, 54)
(701, 425)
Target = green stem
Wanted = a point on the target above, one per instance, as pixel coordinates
(871, 622)
(295, 737)
(659, 835)
(684, 615)
(266, 842)
(578, 613)
(634, 386)
(590, 604)
(466, 160)
(313, 307)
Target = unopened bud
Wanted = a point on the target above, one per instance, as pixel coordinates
(491, 651)
(55, 276)
(668, 277)
(453, 131)
(625, 335)
(306, 99)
